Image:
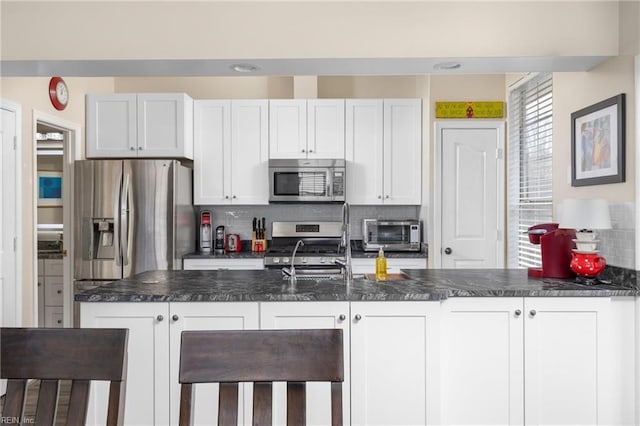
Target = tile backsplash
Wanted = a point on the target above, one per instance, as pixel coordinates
(238, 219)
(617, 245)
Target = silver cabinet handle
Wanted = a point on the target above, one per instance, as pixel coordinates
(175, 317)
(304, 150)
(59, 291)
(379, 196)
(532, 312)
(310, 150)
(234, 197)
(160, 318)
(518, 312)
(342, 317)
(386, 196)
(226, 197)
(132, 148)
(139, 148)
(358, 317)
(448, 250)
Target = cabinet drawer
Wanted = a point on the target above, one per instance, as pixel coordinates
(53, 291)
(53, 316)
(211, 264)
(53, 267)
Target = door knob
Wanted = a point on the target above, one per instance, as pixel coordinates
(160, 318)
(532, 312)
(342, 317)
(175, 317)
(358, 317)
(448, 250)
(518, 312)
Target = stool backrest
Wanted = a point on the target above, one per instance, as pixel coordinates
(262, 357)
(53, 354)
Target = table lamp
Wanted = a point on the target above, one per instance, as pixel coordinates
(585, 216)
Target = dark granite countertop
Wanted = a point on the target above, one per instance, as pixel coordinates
(268, 285)
(242, 255)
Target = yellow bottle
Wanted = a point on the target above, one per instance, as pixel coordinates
(381, 266)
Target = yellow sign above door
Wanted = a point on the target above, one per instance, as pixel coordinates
(469, 109)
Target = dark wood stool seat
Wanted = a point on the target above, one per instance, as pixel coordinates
(54, 354)
(262, 357)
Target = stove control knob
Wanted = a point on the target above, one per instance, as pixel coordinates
(276, 260)
(285, 260)
(304, 260)
(323, 260)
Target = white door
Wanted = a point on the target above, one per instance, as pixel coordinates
(207, 316)
(325, 128)
(390, 344)
(288, 128)
(111, 125)
(306, 315)
(249, 152)
(10, 290)
(469, 225)
(147, 394)
(482, 361)
(568, 376)
(165, 125)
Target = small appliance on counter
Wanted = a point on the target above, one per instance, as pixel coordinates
(206, 232)
(259, 235)
(555, 248)
(233, 243)
(220, 239)
(391, 235)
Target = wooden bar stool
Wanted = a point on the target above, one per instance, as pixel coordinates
(262, 357)
(54, 354)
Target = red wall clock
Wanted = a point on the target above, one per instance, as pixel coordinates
(58, 93)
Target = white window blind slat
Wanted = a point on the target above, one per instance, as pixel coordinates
(529, 166)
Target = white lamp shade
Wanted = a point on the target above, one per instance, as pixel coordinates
(584, 214)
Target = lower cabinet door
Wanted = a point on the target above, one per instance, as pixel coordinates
(305, 315)
(481, 362)
(208, 316)
(147, 392)
(568, 361)
(392, 344)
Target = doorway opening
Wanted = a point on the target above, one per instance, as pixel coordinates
(55, 144)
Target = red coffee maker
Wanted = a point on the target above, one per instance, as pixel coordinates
(555, 246)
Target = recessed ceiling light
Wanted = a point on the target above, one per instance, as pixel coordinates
(244, 68)
(447, 65)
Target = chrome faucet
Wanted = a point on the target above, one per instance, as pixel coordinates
(292, 271)
(346, 243)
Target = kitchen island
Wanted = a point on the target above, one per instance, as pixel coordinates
(508, 348)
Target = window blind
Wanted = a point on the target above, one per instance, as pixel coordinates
(530, 136)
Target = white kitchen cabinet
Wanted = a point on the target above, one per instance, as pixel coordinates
(149, 125)
(393, 362)
(534, 361)
(306, 315)
(223, 263)
(231, 150)
(50, 293)
(362, 265)
(306, 128)
(384, 151)
(153, 353)
(482, 361)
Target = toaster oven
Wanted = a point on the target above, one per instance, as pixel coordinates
(391, 235)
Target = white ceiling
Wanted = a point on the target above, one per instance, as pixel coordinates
(286, 67)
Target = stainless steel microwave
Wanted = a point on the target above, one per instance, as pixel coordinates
(307, 181)
(391, 235)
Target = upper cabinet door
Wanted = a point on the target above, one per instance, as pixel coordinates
(325, 128)
(402, 151)
(363, 151)
(165, 125)
(111, 125)
(249, 152)
(288, 128)
(212, 159)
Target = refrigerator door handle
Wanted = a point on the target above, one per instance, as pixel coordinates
(124, 218)
(116, 218)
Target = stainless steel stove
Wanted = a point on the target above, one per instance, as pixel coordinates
(319, 252)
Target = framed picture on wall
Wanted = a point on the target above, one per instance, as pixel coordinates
(49, 188)
(598, 143)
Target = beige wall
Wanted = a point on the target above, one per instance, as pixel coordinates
(33, 95)
(574, 91)
(306, 29)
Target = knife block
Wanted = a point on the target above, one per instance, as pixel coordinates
(258, 245)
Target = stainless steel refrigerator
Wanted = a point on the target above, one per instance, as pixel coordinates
(131, 216)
